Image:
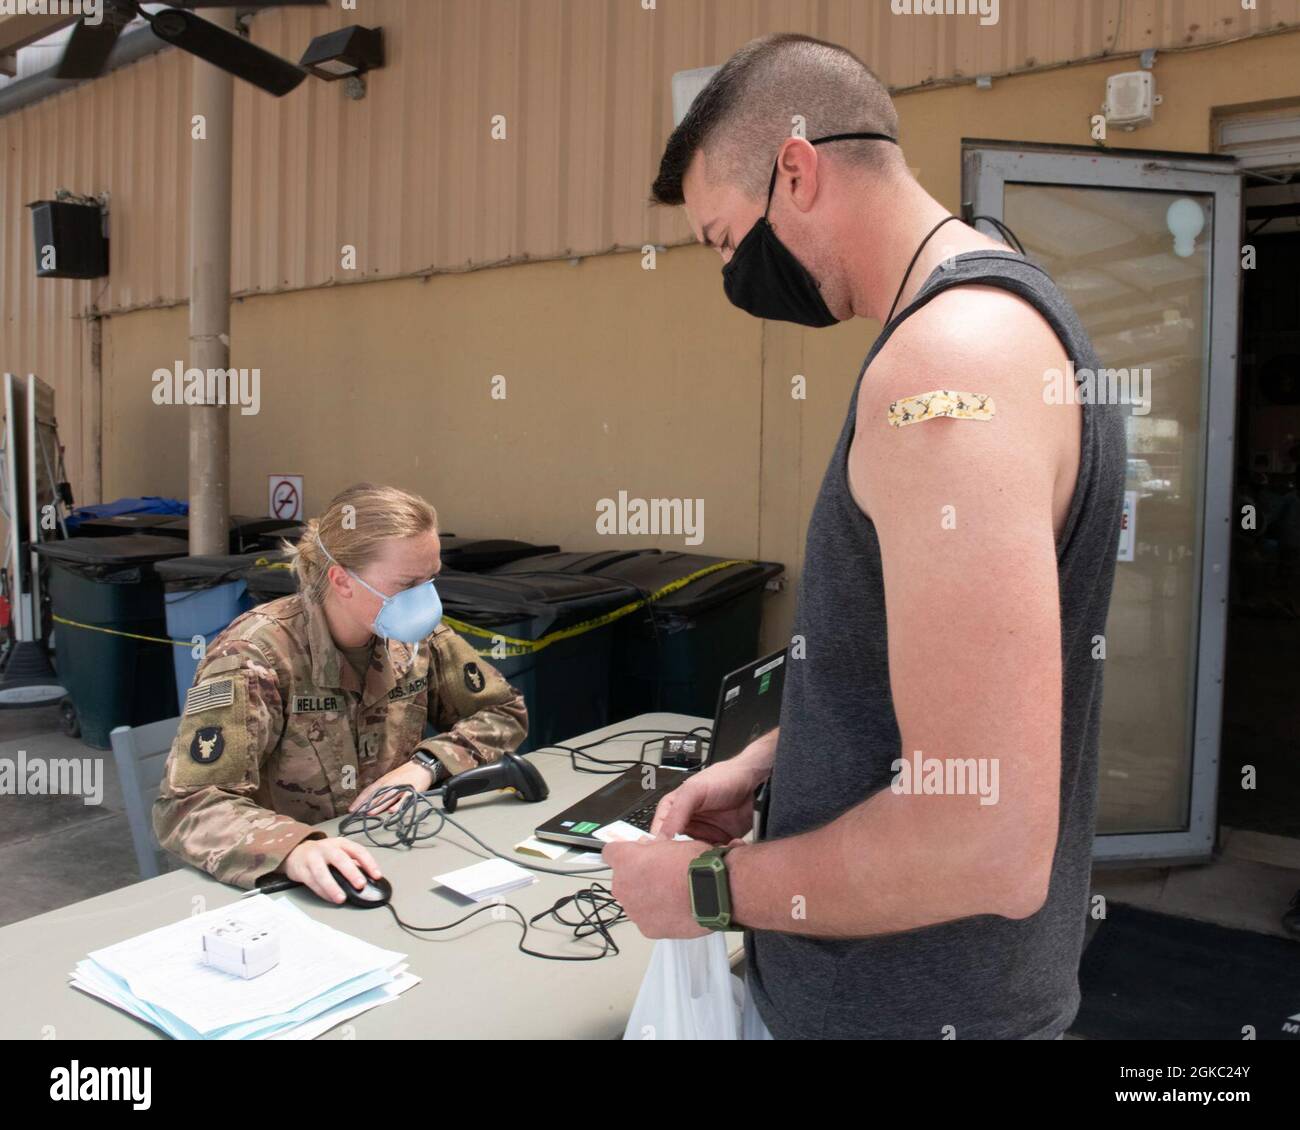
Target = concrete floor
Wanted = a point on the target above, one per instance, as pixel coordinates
(55, 850)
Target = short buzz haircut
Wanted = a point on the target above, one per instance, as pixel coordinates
(755, 101)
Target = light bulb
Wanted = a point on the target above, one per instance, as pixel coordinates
(1186, 220)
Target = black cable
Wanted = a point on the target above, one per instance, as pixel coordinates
(403, 820)
(597, 911)
(619, 765)
(406, 818)
(1006, 232)
(908, 273)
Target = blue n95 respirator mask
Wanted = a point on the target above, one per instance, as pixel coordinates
(407, 616)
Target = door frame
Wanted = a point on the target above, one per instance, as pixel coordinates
(987, 166)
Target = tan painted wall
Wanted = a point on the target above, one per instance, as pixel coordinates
(412, 178)
(618, 378)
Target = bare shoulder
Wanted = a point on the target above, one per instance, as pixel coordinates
(983, 343)
(970, 338)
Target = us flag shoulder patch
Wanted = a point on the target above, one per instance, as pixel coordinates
(207, 696)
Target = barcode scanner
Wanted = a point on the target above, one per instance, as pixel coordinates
(511, 772)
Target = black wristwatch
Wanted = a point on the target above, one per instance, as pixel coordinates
(440, 774)
(710, 891)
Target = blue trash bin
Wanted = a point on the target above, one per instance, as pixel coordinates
(202, 596)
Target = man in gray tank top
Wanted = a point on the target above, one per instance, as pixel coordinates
(924, 866)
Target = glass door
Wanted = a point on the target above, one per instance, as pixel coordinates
(1147, 248)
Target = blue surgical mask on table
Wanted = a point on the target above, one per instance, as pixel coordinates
(407, 616)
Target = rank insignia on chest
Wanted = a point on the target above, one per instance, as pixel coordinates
(315, 703)
(207, 745)
(369, 747)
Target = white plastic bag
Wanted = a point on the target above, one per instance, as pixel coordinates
(689, 993)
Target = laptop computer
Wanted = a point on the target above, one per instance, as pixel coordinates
(749, 706)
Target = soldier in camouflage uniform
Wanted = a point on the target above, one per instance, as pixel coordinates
(281, 731)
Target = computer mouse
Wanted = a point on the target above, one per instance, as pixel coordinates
(375, 893)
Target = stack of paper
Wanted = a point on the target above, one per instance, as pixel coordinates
(324, 976)
(484, 881)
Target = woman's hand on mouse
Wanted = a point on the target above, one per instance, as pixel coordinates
(310, 861)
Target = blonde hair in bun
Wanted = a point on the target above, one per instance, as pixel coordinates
(354, 527)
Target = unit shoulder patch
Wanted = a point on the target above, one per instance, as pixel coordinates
(207, 745)
(213, 745)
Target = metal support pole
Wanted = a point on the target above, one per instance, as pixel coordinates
(212, 96)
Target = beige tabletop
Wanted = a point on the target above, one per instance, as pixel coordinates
(474, 981)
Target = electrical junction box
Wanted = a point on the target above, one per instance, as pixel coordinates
(1131, 99)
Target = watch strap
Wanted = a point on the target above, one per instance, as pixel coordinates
(711, 867)
(430, 762)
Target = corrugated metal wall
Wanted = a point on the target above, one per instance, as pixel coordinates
(412, 176)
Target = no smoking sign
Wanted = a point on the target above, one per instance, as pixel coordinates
(285, 498)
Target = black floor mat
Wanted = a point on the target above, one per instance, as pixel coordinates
(1148, 976)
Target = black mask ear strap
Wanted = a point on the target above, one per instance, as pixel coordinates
(771, 185)
(854, 137)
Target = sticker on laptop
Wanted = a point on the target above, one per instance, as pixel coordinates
(769, 667)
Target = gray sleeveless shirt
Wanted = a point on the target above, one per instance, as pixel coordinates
(986, 976)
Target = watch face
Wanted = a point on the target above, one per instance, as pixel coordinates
(704, 894)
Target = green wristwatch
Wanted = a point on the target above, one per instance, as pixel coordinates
(710, 891)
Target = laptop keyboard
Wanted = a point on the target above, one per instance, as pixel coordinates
(644, 816)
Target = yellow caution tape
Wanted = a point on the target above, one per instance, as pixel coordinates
(115, 632)
(502, 646)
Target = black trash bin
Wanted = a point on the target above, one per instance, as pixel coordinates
(544, 633)
(269, 576)
(121, 524)
(244, 531)
(112, 650)
(703, 624)
(482, 555)
(276, 537)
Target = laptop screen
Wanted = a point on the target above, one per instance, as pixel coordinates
(749, 706)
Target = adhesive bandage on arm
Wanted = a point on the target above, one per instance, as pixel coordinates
(941, 402)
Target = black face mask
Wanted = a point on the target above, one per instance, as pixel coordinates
(766, 280)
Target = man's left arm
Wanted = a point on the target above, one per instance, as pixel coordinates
(963, 510)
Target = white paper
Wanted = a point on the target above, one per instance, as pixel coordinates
(621, 832)
(164, 972)
(486, 880)
(385, 994)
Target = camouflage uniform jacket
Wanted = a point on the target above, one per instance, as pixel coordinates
(278, 734)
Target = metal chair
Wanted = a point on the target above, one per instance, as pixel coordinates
(140, 753)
